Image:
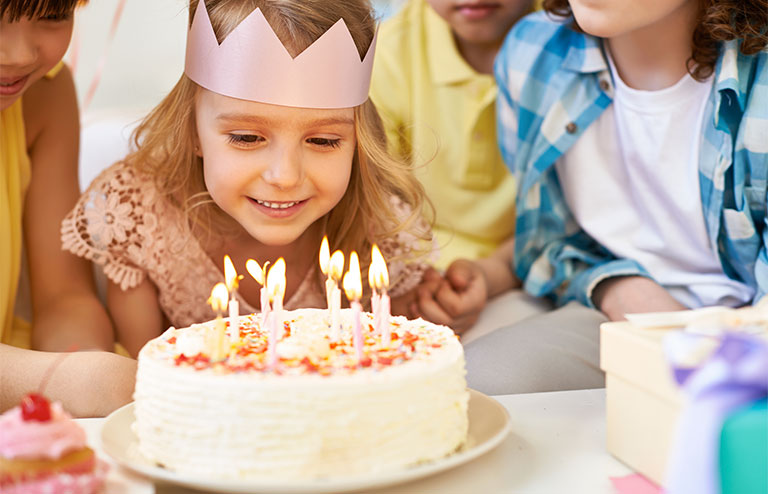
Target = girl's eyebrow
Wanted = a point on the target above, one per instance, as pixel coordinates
(247, 118)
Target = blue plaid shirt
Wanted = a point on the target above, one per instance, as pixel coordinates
(554, 82)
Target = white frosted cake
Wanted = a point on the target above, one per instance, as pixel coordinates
(320, 413)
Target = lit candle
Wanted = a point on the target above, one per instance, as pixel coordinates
(335, 271)
(216, 340)
(378, 276)
(232, 279)
(325, 267)
(259, 274)
(374, 294)
(276, 290)
(353, 287)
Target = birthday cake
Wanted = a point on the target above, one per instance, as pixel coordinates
(320, 409)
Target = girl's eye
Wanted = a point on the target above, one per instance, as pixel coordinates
(322, 141)
(244, 139)
(60, 17)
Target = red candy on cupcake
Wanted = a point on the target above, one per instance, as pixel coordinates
(42, 450)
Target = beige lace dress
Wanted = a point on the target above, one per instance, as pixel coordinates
(123, 224)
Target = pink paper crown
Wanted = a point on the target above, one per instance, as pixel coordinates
(252, 64)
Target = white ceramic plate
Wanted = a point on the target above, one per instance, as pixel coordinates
(488, 425)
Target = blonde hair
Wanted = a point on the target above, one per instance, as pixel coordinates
(165, 140)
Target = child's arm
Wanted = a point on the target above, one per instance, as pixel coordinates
(622, 295)
(136, 313)
(89, 384)
(66, 310)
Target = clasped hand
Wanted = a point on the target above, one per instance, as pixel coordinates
(454, 299)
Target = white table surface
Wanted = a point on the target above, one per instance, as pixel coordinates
(557, 445)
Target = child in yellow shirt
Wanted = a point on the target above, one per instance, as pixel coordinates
(434, 87)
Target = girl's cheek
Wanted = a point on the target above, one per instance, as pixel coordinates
(54, 43)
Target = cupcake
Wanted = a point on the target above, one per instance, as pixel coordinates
(42, 450)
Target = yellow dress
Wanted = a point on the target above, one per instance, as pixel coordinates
(15, 174)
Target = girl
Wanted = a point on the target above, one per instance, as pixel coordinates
(259, 162)
(639, 139)
(39, 135)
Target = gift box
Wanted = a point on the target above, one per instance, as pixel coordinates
(644, 404)
(642, 401)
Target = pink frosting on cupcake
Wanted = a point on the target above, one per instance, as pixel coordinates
(20, 439)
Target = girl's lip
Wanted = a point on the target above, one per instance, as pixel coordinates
(476, 11)
(281, 212)
(14, 88)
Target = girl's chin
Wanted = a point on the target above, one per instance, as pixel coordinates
(272, 237)
(599, 30)
(7, 101)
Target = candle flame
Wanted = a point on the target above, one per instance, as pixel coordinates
(276, 280)
(230, 275)
(353, 285)
(378, 276)
(337, 265)
(325, 255)
(219, 297)
(256, 271)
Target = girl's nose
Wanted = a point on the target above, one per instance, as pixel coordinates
(17, 44)
(285, 169)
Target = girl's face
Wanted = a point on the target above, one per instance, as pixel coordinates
(274, 169)
(29, 48)
(613, 18)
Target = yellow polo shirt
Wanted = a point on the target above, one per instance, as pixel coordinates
(440, 113)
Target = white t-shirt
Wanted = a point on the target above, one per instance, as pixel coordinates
(632, 183)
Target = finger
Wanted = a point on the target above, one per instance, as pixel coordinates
(431, 274)
(459, 305)
(429, 288)
(450, 301)
(463, 324)
(415, 313)
(431, 311)
(459, 274)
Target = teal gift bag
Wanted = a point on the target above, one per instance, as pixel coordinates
(744, 450)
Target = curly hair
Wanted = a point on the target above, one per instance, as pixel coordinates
(718, 21)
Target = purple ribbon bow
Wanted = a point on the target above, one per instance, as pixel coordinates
(734, 375)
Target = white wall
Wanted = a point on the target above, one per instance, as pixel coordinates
(144, 60)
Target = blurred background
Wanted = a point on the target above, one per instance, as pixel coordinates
(125, 56)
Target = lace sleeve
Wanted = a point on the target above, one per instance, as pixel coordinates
(408, 255)
(105, 224)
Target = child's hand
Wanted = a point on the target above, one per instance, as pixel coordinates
(456, 299)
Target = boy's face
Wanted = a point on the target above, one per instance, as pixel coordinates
(274, 169)
(615, 18)
(29, 48)
(481, 21)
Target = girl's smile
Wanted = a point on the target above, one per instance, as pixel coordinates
(279, 209)
(10, 86)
